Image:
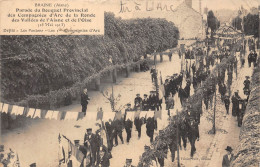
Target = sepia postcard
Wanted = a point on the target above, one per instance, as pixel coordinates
(129, 83)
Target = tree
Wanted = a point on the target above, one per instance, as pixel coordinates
(237, 23)
(213, 22)
(251, 25)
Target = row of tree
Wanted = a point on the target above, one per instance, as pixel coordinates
(36, 65)
(250, 25)
(169, 133)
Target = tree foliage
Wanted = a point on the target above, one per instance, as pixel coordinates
(39, 65)
(237, 23)
(251, 25)
(213, 22)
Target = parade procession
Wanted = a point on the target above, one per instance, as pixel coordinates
(177, 88)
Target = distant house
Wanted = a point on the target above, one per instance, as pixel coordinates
(188, 20)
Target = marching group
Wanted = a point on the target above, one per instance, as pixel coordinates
(96, 153)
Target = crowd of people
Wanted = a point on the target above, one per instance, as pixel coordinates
(188, 127)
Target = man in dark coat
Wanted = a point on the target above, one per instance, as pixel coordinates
(222, 90)
(150, 126)
(228, 157)
(128, 128)
(109, 130)
(153, 73)
(250, 58)
(104, 157)
(152, 101)
(241, 111)
(254, 58)
(91, 141)
(193, 134)
(84, 100)
(128, 125)
(227, 103)
(235, 104)
(246, 86)
(138, 124)
(138, 101)
(145, 103)
(118, 129)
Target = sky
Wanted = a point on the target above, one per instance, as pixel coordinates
(229, 4)
(115, 5)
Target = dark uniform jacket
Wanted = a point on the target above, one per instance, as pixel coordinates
(226, 161)
(84, 99)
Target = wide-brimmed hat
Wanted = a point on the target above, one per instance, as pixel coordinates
(229, 149)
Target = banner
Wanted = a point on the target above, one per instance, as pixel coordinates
(5, 108)
(15, 110)
(143, 114)
(130, 115)
(108, 115)
(49, 114)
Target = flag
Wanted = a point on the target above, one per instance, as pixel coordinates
(14, 110)
(20, 111)
(137, 114)
(76, 153)
(61, 115)
(130, 115)
(71, 115)
(61, 153)
(43, 113)
(1, 106)
(161, 91)
(172, 112)
(81, 115)
(118, 115)
(37, 113)
(108, 115)
(17, 161)
(158, 114)
(65, 148)
(49, 114)
(31, 112)
(150, 114)
(55, 115)
(5, 108)
(142, 114)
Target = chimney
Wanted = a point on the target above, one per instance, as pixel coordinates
(188, 3)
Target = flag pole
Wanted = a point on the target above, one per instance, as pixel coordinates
(178, 153)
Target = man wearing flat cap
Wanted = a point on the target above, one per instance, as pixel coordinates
(145, 103)
(138, 101)
(235, 103)
(128, 163)
(228, 157)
